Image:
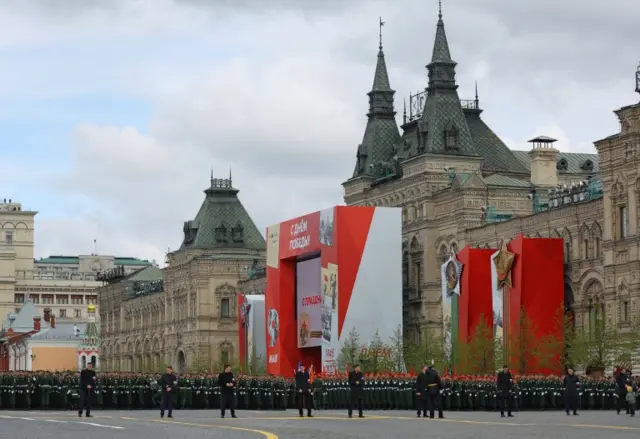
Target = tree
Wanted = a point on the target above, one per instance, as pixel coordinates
(477, 354)
(377, 356)
(398, 350)
(598, 348)
(429, 347)
(350, 350)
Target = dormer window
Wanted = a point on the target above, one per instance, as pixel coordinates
(237, 233)
(221, 235)
(587, 166)
(451, 137)
(562, 165)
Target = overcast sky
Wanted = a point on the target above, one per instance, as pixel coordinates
(112, 112)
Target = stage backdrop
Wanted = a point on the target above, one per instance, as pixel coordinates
(251, 328)
(345, 263)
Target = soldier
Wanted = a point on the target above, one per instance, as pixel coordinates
(303, 386)
(356, 384)
(421, 391)
(504, 383)
(167, 383)
(87, 383)
(622, 381)
(227, 384)
(434, 385)
(571, 386)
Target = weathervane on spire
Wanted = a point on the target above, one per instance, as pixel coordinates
(380, 33)
(638, 79)
(440, 9)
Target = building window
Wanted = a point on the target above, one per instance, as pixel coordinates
(596, 247)
(625, 312)
(567, 253)
(224, 356)
(18, 298)
(624, 220)
(92, 300)
(224, 308)
(76, 300)
(47, 299)
(62, 313)
(221, 235)
(62, 300)
(586, 248)
(34, 298)
(8, 238)
(77, 313)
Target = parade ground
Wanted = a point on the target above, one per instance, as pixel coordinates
(325, 424)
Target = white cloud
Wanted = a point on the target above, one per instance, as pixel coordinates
(280, 95)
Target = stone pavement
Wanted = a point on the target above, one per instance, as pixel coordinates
(325, 424)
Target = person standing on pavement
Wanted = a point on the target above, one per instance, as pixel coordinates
(622, 381)
(356, 384)
(571, 386)
(421, 392)
(504, 383)
(167, 383)
(434, 386)
(227, 383)
(631, 399)
(303, 386)
(88, 380)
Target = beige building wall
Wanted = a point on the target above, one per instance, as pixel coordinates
(55, 358)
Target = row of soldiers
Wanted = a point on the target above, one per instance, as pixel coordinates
(126, 391)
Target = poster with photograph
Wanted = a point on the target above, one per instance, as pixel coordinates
(326, 227)
(329, 300)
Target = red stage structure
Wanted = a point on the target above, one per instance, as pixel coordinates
(534, 303)
(474, 303)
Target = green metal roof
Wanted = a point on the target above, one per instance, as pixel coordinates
(222, 222)
(574, 161)
(505, 181)
(146, 274)
(74, 260)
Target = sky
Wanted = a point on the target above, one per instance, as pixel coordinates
(114, 112)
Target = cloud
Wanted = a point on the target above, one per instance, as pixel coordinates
(279, 95)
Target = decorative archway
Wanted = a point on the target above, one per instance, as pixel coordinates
(182, 361)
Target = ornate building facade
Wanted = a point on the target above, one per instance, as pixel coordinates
(458, 184)
(187, 314)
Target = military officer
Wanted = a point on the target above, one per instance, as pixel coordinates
(227, 383)
(167, 383)
(303, 389)
(356, 384)
(504, 383)
(88, 380)
(434, 385)
(571, 386)
(421, 392)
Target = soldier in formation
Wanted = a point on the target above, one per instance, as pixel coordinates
(504, 383)
(88, 380)
(227, 383)
(303, 387)
(356, 384)
(571, 386)
(167, 384)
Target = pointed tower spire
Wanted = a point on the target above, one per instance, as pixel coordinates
(443, 127)
(382, 131)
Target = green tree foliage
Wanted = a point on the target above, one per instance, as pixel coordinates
(427, 348)
(350, 350)
(477, 354)
(377, 356)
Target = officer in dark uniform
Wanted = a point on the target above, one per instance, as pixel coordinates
(303, 387)
(571, 386)
(421, 392)
(356, 384)
(622, 381)
(434, 385)
(504, 383)
(227, 383)
(88, 380)
(167, 383)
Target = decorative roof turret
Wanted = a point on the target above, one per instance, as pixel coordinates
(377, 149)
